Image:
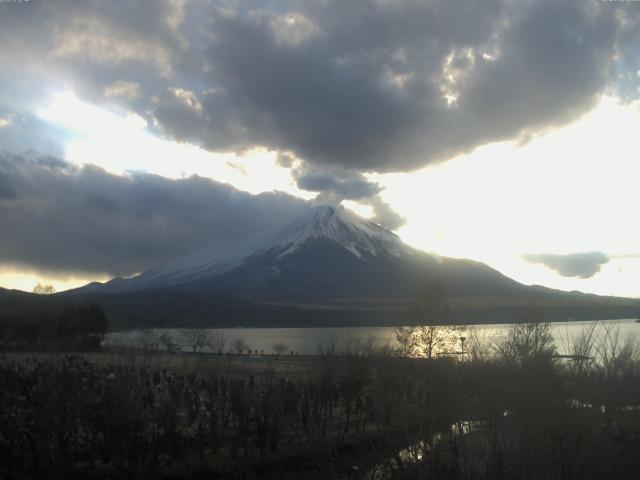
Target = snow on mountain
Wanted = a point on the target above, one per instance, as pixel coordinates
(360, 237)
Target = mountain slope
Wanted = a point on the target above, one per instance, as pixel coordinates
(327, 253)
(328, 268)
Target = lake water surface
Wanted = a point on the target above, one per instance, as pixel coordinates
(309, 341)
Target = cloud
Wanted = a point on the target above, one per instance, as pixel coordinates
(336, 183)
(384, 215)
(28, 132)
(61, 218)
(373, 86)
(126, 90)
(582, 265)
(102, 50)
(398, 88)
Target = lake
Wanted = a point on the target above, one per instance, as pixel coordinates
(309, 341)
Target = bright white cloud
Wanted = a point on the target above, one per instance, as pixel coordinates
(120, 142)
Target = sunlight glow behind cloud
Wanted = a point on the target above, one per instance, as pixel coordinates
(25, 279)
(570, 190)
(120, 143)
(573, 189)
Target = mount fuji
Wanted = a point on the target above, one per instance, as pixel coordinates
(329, 267)
(328, 253)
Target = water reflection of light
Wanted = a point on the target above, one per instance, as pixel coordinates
(306, 341)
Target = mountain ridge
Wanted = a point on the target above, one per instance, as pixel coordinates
(328, 233)
(327, 268)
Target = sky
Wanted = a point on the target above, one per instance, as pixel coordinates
(506, 132)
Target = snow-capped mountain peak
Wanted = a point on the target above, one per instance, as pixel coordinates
(360, 237)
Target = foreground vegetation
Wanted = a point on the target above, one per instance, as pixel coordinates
(67, 327)
(508, 410)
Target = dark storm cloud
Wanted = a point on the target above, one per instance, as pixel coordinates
(582, 265)
(374, 85)
(344, 87)
(7, 191)
(340, 183)
(365, 85)
(87, 46)
(335, 184)
(57, 217)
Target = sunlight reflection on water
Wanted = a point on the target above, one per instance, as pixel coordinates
(309, 341)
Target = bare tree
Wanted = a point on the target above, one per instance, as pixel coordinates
(167, 342)
(239, 346)
(196, 338)
(525, 342)
(583, 348)
(615, 355)
(479, 347)
(149, 340)
(431, 333)
(435, 333)
(407, 340)
(44, 289)
(217, 342)
(279, 348)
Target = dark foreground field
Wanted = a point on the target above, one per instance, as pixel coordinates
(514, 412)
